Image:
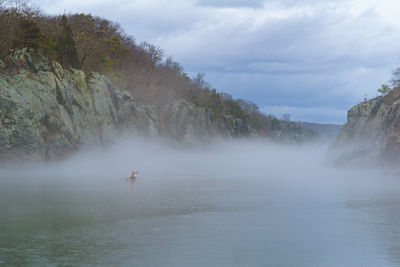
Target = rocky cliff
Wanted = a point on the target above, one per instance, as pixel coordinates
(47, 112)
(371, 134)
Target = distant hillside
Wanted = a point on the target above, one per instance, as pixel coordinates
(326, 131)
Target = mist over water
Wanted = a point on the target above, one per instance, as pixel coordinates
(238, 203)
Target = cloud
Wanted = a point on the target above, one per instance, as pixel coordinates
(310, 53)
(230, 3)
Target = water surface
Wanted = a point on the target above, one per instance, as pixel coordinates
(235, 204)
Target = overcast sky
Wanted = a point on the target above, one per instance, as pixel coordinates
(313, 59)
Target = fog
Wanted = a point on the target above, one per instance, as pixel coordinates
(242, 202)
(253, 159)
(302, 167)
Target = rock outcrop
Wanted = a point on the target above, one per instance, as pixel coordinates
(372, 132)
(47, 112)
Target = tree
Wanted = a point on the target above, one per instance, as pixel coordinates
(384, 89)
(286, 117)
(395, 81)
(2, 4)
(233, 108)
(247, 106)
(199, 81)
(225, 96)
(276, 125)
(66, 50)
(27, 35)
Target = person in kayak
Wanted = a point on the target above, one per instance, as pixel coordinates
(132, 175)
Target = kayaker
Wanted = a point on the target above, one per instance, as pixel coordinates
(132, 175)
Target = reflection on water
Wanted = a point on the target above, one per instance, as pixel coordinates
(132, 183)
(236, 206)
(386, 221)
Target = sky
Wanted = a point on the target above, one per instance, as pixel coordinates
(313, 59)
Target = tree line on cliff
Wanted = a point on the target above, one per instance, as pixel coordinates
(394, 82)
(91, 43)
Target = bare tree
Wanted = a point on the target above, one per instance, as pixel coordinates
(2, 4)
(225, 96)
(248, 106)
(286, 117)
(13, 14)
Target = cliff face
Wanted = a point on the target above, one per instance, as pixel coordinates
(47, 112)
(372, 132)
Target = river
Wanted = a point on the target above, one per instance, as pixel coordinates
(231, 204)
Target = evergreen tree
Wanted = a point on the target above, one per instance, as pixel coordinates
(66, 50)
(276, 125)
(384, 89)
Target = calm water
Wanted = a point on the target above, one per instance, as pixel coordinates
(235, 206)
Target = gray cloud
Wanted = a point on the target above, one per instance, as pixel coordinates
(230, 3)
